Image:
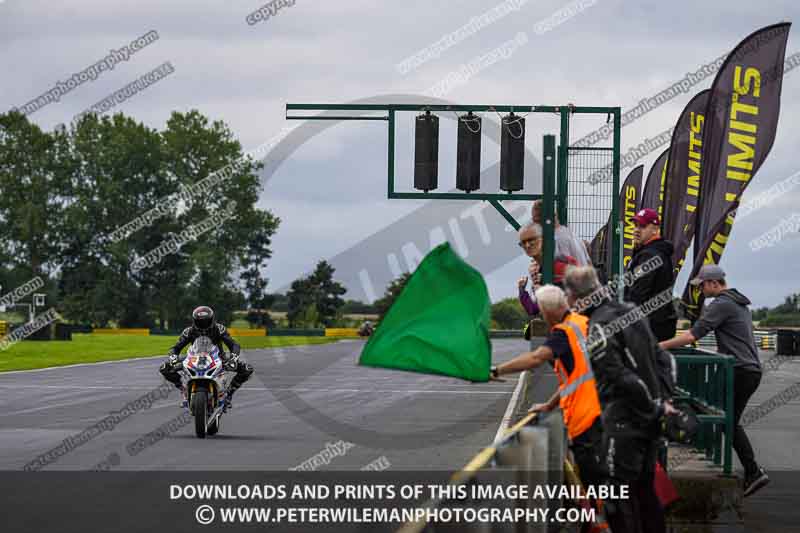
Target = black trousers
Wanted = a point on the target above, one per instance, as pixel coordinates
(631, 461)
(663, 330)
(586, 448)
(745, 383)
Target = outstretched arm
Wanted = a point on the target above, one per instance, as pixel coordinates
(676, 342)
(526, 361)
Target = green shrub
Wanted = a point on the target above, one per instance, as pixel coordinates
(781, 319)
(509, 314)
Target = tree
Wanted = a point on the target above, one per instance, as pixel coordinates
(196, 148)
(383, 304)
(255, 283)
(301, 299)
(509, 314)
(314, 300)
(115, 167)
(66, 191)
(358, 307)
(33, 181)
(327, 291)
(279, 302)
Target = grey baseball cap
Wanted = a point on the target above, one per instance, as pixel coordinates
(708, 273)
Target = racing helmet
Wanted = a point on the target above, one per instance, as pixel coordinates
(203, 319)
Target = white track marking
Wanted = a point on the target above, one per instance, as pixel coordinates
(268, 389)
(49, 368)
(56, 406)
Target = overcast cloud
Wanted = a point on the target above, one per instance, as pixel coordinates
(331, 191)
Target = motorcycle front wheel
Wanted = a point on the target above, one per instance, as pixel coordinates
(200, 410)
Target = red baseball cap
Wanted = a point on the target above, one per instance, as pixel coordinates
(646, 216)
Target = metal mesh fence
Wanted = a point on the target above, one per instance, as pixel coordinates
(588, 204)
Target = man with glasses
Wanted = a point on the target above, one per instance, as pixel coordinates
(530, 240)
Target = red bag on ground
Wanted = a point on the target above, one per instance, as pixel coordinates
(665, 490)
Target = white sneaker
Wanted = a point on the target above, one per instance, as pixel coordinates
(757, 481)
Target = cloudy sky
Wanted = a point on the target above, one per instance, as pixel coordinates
(327, 182)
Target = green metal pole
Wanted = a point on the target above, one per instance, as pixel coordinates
(616, 250)
(563, 178)
(506, 214)
(548, 190)
(390, 153)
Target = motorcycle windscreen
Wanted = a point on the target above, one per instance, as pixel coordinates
(438, 324)
(203, 345)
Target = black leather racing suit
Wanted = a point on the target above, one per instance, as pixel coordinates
(623, 357)
(219, 336)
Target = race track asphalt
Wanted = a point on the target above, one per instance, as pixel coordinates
(300, 401)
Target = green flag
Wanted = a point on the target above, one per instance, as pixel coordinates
(439, 324)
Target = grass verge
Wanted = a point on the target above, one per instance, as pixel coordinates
(29, 355)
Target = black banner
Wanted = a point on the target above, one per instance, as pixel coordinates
(598, 252)
(629, 197)
(682, 184)
(741, 119)
(653, 196)
(629, 200)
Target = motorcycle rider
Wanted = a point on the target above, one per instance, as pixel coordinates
(625, 361)
(204, 324)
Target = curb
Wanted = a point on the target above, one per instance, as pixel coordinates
(519, 401)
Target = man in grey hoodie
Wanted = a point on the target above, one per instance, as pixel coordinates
(729, 317)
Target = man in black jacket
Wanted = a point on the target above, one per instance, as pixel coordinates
(205, 325)
(623, 353)
(651, 280)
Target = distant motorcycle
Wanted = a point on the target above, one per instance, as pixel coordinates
(204, 371)
(366, 329)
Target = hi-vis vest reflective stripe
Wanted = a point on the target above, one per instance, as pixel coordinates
(579, 401)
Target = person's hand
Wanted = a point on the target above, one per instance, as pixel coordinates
(494, 375)
(540, 408)
(522, 282)
(669, 409)
(535, 274)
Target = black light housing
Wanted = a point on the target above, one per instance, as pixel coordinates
(426, 152)
(512, 153)
(468, 161)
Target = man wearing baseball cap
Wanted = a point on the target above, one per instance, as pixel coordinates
(730, 319)
(650, 282)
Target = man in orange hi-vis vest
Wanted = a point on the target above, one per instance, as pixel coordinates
(565, 349)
